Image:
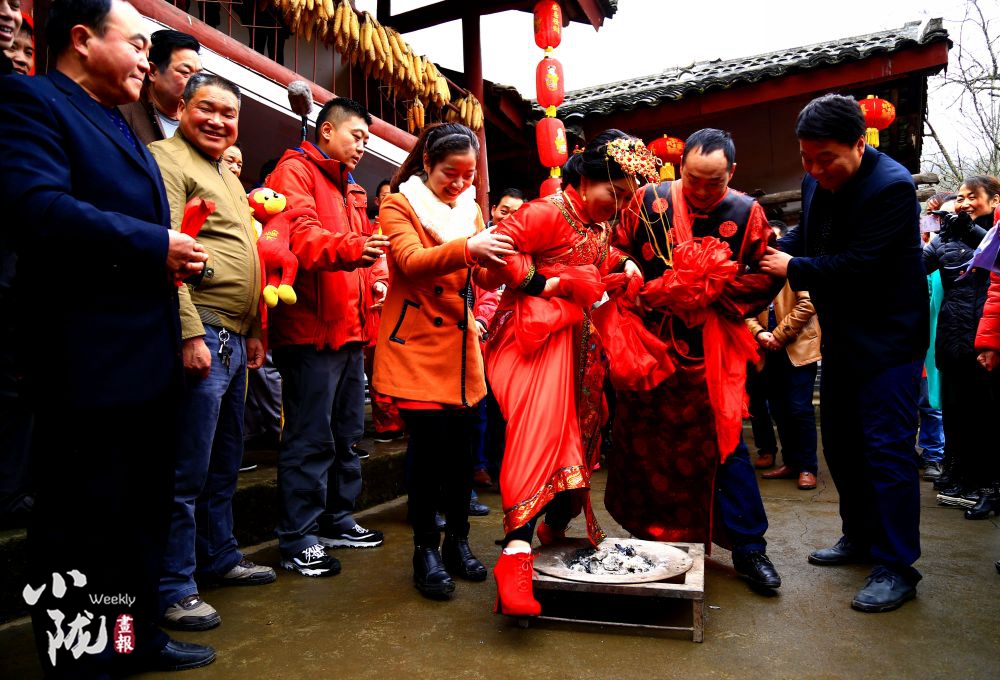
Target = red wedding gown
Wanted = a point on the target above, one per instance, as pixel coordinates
(543, 359)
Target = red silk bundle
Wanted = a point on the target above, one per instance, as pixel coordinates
(637, 359)
(701, 270)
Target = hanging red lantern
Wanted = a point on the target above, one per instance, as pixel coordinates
(879, 115)
(548, 24)
(550, 135)
(549, 86)
(670, 150)
(550, 186)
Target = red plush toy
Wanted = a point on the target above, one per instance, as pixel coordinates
(278, 262)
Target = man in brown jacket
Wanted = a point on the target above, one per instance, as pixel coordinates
(220, 332)
(173, 59)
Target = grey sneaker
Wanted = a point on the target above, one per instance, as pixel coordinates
(191, 613)
(246, 573)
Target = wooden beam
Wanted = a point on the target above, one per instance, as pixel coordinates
(593, 12)
(241, 54)
(782, 197)
(441, 13)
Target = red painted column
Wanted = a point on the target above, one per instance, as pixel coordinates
(472, 57)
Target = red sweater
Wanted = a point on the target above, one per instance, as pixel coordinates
(330, 311)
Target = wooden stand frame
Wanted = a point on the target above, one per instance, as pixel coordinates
(688, 586)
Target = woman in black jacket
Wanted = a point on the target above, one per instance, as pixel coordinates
(967, 399)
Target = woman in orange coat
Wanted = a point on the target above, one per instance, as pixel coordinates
(428, 355)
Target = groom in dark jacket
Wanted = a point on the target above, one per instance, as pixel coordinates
(859, 236)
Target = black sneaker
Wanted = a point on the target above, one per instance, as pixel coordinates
(355, 537)
(313, 561)
(362, 453)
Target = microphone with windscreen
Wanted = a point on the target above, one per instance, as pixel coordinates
(301, 100)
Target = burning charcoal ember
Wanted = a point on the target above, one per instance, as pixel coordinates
(615, 560)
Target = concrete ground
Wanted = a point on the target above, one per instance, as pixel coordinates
(369, 622)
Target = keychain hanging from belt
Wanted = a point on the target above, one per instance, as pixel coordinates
(225, 351)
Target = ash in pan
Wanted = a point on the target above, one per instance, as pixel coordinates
(616, 560)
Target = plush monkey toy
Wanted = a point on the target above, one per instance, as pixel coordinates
(280, 265)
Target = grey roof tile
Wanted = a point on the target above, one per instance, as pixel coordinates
(681, 81)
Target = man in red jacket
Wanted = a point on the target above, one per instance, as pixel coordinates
(318, 343)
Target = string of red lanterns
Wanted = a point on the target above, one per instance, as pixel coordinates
(550, 133)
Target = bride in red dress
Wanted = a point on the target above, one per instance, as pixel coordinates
(543, 357)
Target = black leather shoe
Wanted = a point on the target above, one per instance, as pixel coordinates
(429, 575)
(182, 656)
(884, 591)
(844, 552)
(459, 560)
(757, 569)
(989, 502)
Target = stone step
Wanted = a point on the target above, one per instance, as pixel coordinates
(255, 510)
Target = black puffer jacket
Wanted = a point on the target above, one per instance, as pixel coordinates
(963, 301)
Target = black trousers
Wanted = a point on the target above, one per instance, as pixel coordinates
(439, 470)
(105, 481)
(969, 402)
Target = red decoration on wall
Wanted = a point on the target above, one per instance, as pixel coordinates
(550, 135)
(548, 24)
(549, 86)
(879, 115)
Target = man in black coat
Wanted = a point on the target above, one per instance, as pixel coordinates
(857, 251)
(98, 338)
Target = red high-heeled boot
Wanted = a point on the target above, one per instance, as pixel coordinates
(514, 591)
(547, 534)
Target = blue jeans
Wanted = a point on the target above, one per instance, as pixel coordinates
(319, 474)
(209, 450)
(790, 395)
(740, 519)
(869, 429)
(931, 428)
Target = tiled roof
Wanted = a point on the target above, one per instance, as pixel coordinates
(679, 82)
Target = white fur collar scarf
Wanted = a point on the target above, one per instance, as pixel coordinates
(439, 219)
